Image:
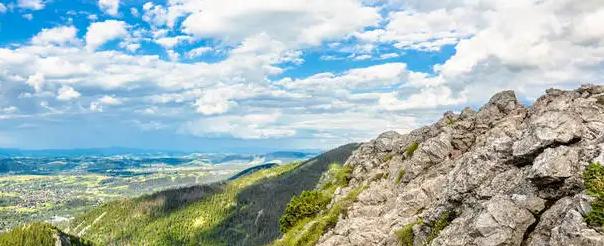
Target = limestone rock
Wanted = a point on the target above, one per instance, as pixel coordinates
(555, 165)
(505, 175)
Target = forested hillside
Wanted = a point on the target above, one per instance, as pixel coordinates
(243, 211)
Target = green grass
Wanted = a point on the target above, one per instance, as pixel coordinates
(38, 234)
(339, 176)
(443, 221)
(154, 221)
(450, 121)
(310, 203)
(399, 177)
(411, 149)
(405, 235)
(308, 231)
(307, 204)
(593, 177)
(388, 157)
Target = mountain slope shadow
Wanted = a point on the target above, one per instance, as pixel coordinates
(255, 221)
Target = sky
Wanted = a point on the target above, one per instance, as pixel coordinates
(214, 75)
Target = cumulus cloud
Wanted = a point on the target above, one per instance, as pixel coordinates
(426, 98)
(57, 36)
(383, 75)
(291, 22)
(98, 105)
(426, 30)
(36, 81)
(31, 4)
(9, 110)
(250, 126)
(110, 7)
(99, 33)
(304, 22)
(528, 46)
(198, 52)
(221, 98)
(67, 93)
(170, 42)
(502, 44)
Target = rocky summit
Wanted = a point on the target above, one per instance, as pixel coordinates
(506, 174)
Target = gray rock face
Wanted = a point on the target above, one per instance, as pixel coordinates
(555, 165)
(546, 129)
(504, 175)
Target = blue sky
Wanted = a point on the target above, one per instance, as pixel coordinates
(233, 74)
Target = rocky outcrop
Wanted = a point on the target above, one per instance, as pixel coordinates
(503, 175)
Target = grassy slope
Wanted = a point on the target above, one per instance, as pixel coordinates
(308, 229)
(244, 211)
(246, 227)
(38, 234)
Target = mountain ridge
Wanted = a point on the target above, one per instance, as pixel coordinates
(503, 175)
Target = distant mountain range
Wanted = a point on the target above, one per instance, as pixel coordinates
(113, 151)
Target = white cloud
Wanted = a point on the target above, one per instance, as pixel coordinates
(221, 98)
(101, 32)
(109, 100)
(28, 16)
(67, 93)
(98, 105)
(250, 126)
(134, 12)
(170, 42)
(512, 44)
(159, 15)
(389, 55)
(292, 22)
(2, 8)
(110, 7)
(528, 46)
(9, 110)
(31, 4)
(36, 81)
(56, 36)
(388, 74)
(426, 98)
(132, 47)
(198, 52)
(428, 30)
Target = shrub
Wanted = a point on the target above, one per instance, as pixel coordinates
(450, 121)
(593, 177)
(405, 235)
(411, 148)
(307, 204)
(399, 178)
(309, 230)
(388, 157)
(443, 221)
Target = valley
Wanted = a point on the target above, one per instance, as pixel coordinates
(56, 189)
